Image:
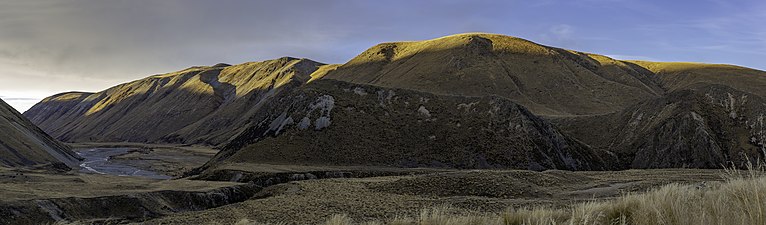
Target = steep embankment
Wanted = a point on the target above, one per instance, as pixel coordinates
(707, 127)
(22, 144)
(712, 116)
(548, 81)
(195, 105)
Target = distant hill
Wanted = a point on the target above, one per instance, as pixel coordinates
(684, 76)
(197, 105)
(547, 80)
(464, 101)
(705, 121)
(22, 144)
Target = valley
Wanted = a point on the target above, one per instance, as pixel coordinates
(269, 193)
(97, 160)
(472, 123)
(166, 160)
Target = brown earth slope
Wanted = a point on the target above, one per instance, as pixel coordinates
(22, 144)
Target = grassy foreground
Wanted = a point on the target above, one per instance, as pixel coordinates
(741, 199)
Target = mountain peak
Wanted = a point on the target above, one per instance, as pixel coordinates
(480, 64)
(72, 95)
(473, 43)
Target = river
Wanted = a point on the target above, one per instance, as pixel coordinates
(96, 160)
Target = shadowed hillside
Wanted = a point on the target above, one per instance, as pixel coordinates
(707, 127)
(22, 144)
(331, 122)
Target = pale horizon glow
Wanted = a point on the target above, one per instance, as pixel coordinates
(53, 46)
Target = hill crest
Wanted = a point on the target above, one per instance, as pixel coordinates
(533, 75)
(209, 98)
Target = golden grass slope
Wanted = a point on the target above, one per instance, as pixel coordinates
(685, 75)
(323, 71)
(546, 80)
(198, 104)
(737, 201)
(22, 144)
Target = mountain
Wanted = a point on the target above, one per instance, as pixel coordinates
(330, 122)
(22, 144)
(205, 104)
(618, 114)
(684, 75)
(713, 115)
(547, 80)
(463, 101)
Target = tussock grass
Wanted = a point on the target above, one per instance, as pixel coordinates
(740, 199)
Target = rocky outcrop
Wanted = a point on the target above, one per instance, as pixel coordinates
(710, 127)
(337, 123)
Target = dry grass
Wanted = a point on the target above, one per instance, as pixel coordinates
(741, 199)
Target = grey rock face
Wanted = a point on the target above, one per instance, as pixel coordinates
(708, 127)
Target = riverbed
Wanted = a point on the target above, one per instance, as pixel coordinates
(98, 160)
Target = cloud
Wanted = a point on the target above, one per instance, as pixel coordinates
(562, 31)
(89, 45)
(561, 35)
(21, 104)
(110, 39)
(107, 39)
(20, 99)
(52, 46)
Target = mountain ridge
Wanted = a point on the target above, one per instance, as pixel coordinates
(252, 110)
(160, 99)
(481, 64)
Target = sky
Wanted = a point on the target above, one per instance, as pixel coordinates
(53, 46)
